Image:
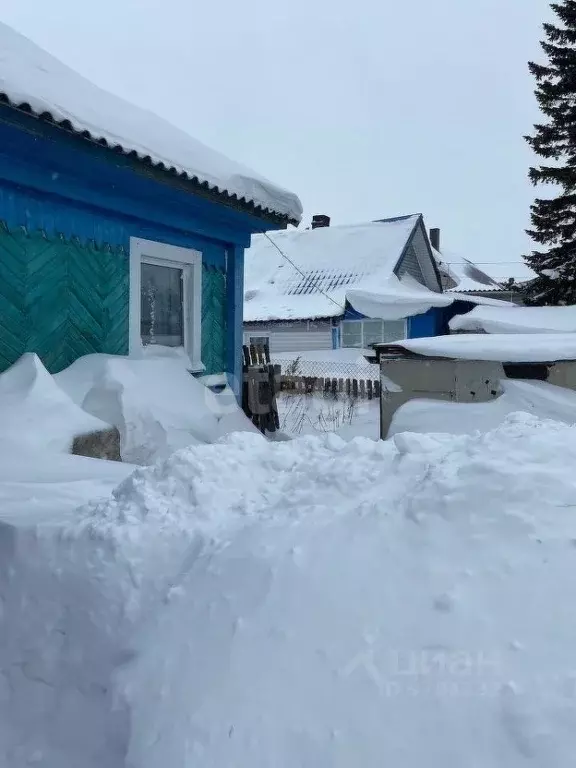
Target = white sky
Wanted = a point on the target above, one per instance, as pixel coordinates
(366, 109)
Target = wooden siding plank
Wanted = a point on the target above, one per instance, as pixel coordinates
(60, 299)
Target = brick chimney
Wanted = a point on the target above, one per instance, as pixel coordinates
(435, 239)
(320, 220)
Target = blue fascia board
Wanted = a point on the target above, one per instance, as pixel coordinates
(234, 318)
(45, 158)
(35, 210)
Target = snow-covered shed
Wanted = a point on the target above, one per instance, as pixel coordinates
(345, 286)
(521, 320)
(117, 229)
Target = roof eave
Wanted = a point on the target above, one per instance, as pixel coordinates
(162, 172)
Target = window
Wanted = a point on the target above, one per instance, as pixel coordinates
(363, 333)
(166, 298)
(259, 341)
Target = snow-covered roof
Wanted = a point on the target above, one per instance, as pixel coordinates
(505, 348)
(466, 275)
(306, 274)
(32, 79)
(517, 320)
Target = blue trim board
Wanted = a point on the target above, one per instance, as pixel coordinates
(234, 317)
(426, 324)
(37, 211)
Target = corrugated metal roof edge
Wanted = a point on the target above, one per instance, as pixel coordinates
(488, 289)
(201, 187)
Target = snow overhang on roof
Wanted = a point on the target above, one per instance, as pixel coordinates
(503, 348)
(34, 81)
(520, 320)
(310, 274)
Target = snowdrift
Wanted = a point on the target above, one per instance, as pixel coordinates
(157, 406)
(308, 603)
(36, 414)
(539, 398)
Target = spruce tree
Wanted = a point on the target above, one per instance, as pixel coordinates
(554, 219)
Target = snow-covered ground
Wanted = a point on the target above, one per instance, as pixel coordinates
(535, 397)
(242, 603)
(308, 603)
(317, 415)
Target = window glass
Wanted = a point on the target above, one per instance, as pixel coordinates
(394, 330)
(373, 331)
(352, 333)
(162, 306)
(259, 341)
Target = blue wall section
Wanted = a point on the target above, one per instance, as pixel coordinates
(457, 308)
(61, 186)
(234, 316)
(427, 324)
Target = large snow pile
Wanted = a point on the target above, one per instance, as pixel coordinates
(538, 398)
(312, 603)
(36, 414)
(517, 320)
(157, 406)
(29, 75)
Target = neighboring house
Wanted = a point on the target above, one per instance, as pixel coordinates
(345, 286)
(462, 275)
(117, 230)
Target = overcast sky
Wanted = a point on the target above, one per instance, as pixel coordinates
(365, 108)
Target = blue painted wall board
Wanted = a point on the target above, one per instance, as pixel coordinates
(426, 324)
(234, 317)
(62, 188)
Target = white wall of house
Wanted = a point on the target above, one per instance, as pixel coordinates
(292, 336)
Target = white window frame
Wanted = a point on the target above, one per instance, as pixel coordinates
(361, 321)
(190, 262)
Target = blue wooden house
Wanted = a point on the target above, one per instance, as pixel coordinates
(117, 230)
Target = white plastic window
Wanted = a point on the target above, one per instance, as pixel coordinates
(166, 298)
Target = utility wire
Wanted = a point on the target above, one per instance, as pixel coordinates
(311, 283)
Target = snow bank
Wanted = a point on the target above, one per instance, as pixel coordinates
(157, 406)
(35, 413)
(517, 320)
(34, 483)
(328, 604)
(543, 400)
(32, 76)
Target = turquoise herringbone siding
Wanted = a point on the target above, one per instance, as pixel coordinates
(63, 299)
(213, 319)
(60, 298)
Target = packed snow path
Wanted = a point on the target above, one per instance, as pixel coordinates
(310, 604)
